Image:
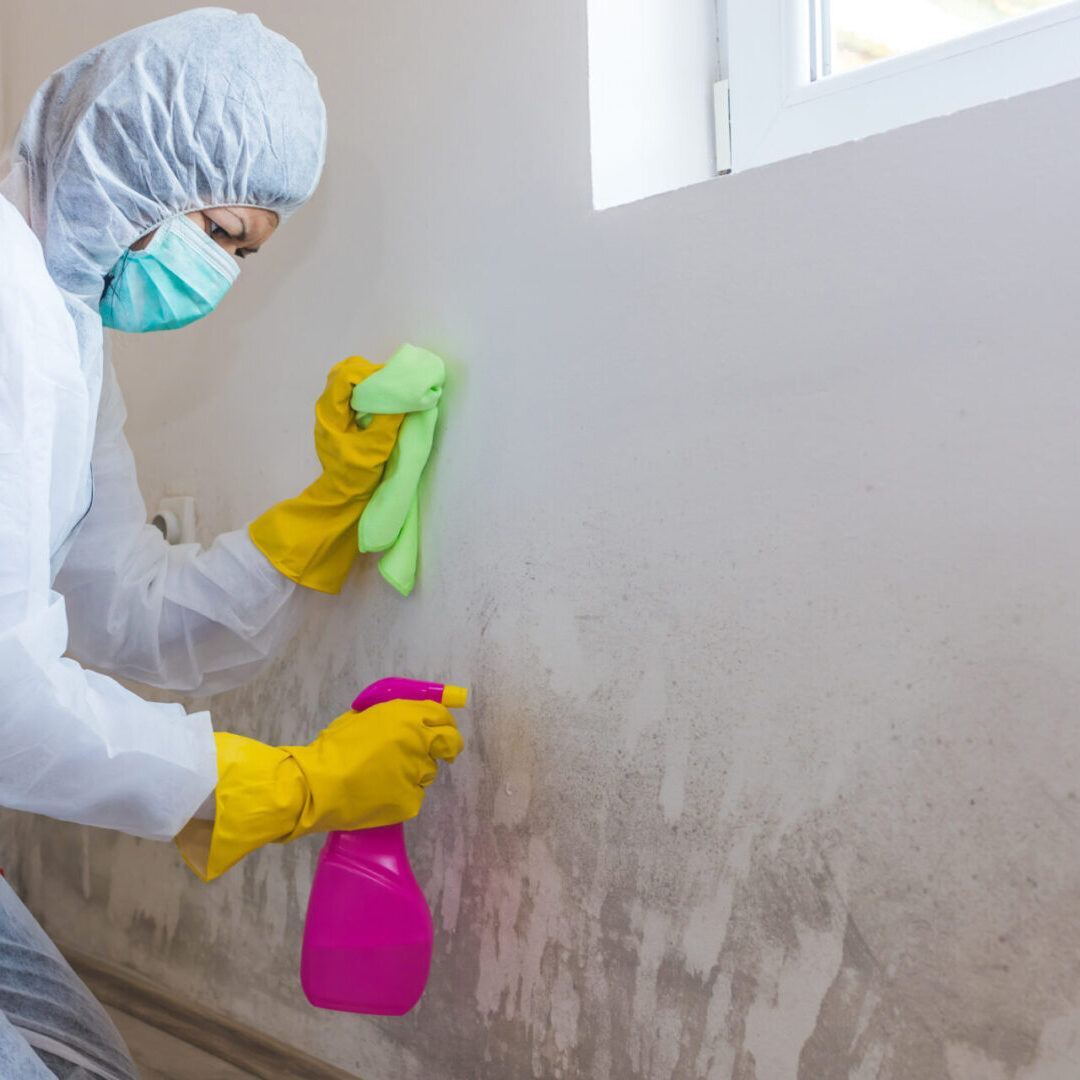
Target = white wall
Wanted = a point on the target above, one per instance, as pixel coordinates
(753, 527)
(652, 65)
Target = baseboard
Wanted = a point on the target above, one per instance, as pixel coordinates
(119, 988)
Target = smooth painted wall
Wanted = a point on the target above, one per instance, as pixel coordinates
(754, 527)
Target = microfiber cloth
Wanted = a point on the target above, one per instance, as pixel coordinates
(411, 382)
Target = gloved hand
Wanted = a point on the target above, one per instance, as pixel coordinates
(365, 769)
(312, 538)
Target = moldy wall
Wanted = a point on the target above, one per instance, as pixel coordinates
(753, 528)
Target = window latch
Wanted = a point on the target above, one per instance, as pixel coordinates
(722, 119)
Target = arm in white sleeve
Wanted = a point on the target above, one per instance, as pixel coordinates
(73, 744)
(177, 617)
(78, 746)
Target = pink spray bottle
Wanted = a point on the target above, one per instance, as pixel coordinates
(368, 933)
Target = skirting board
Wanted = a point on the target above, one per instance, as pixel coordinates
(241, 1046)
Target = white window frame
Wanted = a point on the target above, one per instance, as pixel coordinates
(776, 112)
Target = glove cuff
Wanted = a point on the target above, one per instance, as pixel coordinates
(312, 539)
(261, 793)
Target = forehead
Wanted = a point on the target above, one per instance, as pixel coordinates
(256, 216)
(257, 221)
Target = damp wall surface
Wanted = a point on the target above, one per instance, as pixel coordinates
(753, 526)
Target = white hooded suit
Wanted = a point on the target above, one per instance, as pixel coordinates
(207, 108)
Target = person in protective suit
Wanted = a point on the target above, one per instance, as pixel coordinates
(142, 171)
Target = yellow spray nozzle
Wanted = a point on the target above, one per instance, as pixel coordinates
(454, 697)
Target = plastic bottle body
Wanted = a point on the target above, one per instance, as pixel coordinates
(368, 934)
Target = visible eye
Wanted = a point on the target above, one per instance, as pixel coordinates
(213, 228)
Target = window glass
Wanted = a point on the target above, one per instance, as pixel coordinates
(858, 32)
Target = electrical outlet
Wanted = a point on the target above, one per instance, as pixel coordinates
(175, 518)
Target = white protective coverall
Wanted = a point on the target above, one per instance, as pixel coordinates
(126, 136)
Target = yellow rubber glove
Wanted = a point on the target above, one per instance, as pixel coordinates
(312, 538)
(365, 769)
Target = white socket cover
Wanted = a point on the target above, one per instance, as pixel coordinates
(177, 515)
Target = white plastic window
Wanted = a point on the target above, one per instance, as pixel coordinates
(805, 74)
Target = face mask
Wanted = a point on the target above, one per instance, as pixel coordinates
(179, 277)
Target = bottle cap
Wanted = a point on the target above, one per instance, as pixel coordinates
(453, 697)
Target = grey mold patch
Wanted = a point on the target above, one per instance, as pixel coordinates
(581, 933)
(771, 922)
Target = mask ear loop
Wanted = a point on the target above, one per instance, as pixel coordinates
(113, 274)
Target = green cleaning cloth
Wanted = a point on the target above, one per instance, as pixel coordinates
(410, 383)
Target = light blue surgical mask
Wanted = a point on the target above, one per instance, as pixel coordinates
(179, 277)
